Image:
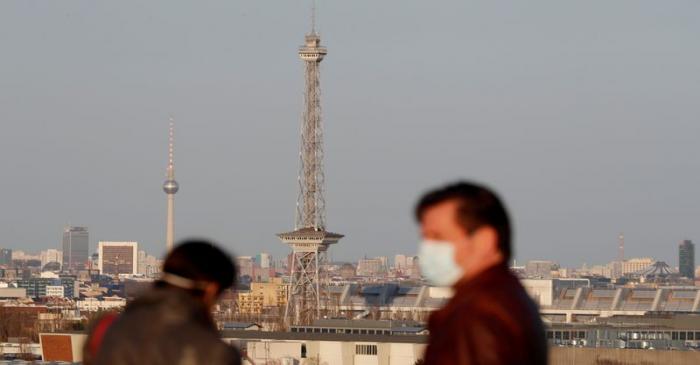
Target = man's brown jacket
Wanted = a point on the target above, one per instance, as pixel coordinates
(489, 320)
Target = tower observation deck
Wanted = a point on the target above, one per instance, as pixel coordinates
(310, 240)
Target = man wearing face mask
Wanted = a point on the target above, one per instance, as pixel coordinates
(490, 319)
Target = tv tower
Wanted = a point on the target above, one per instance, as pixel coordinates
(309, 241)
(170, 187)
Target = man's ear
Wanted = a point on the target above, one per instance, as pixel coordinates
(211, 293)
(486, 238)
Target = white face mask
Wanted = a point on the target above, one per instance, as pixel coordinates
(437, 263)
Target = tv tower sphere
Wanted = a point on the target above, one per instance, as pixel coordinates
(170, 187)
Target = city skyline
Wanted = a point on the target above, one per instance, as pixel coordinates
(564, 126)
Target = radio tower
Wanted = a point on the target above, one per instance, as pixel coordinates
(309, 241)
(170, 187)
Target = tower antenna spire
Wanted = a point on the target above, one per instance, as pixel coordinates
(313, 16)
(171, 149)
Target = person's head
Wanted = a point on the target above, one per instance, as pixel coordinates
(201, 268)
(466, 221)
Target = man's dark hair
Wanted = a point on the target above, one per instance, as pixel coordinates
(478, 207)
(201, 260)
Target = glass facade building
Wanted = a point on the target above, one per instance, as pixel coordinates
(37, 287)
(5, 256)
(686, 259)
(76, 248)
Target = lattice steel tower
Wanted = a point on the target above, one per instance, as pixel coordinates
(309, 240)
(170, 187)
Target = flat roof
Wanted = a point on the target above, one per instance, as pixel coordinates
(342, 337)
(360, 324)
(657, 321)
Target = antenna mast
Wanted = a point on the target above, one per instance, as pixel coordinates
(313, 16)
(171, 149)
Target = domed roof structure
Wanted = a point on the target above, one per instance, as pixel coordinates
(52, 266)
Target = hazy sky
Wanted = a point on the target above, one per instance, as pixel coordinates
(584, 115)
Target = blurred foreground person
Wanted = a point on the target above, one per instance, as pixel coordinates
(171, 324)
(466, 245)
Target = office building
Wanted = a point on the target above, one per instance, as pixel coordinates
(539, 269)
(384, 262)
(9, 293)
(686, 259)
(56, 291)
(104, 304)
(245, 266)
(148, 265)
(636, 265)
(118, 258)
(264, 260)
(400, 262)
(43, 287)
(370, 267)
(5, 256)
(347, 271)
(76, 248)
(335, 342)
(262, 296)
(50, 255)
(20, 255)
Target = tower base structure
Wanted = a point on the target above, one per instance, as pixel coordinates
(308, 277)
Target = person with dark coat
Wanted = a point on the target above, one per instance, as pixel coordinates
(490, 319)
(172, 323)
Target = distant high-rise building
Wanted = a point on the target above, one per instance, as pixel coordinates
(5, 256)
(385, 263)
(413, 264)
(94, 261)
(148, 265)
(118, 258)
(400, 262)
(264, 260)
(141, 266)
(409, 261)
(76, 248)
(245, 266)
(686, 259)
